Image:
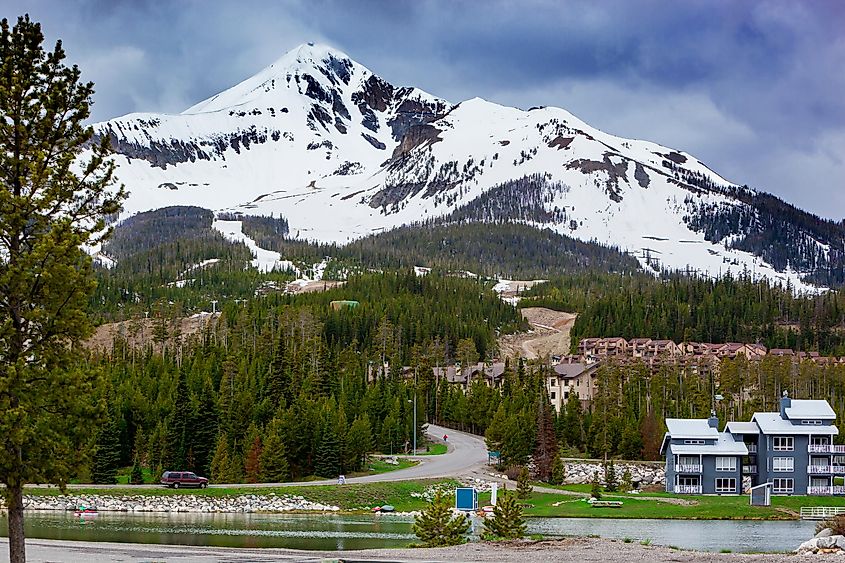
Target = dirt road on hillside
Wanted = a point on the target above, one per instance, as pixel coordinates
(549, 335)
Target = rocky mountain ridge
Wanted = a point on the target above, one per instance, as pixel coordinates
(342, 154)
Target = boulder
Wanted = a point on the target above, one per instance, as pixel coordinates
(826, 533)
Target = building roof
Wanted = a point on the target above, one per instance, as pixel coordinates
(742, 428)
(810, 408)
(691, 428)
(568, 371)
(772, 423)
(725, 445)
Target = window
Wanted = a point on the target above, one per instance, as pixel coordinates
(783, 485)
(813, 422)
(783, 464)
(552, 395)
(725, 464)
(693, 441)
(553, 381)
(783, 443)
(725, 485)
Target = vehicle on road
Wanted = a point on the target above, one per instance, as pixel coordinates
(176, 479)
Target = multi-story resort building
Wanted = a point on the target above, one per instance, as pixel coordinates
(792, 449)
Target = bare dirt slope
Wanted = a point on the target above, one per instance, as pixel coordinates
(138, 333)
(549, 335)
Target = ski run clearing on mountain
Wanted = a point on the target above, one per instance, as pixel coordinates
(341, 154)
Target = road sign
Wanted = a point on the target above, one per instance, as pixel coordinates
(466, 498)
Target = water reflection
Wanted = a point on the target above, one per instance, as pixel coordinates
(336, 532)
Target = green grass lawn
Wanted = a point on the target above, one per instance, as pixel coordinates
(347, 497)
(640, 506)
(433, 449)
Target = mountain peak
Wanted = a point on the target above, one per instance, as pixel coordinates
(308, 58)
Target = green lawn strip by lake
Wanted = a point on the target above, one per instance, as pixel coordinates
(640, 506)
(352, 496)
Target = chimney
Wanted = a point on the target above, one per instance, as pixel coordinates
(713, 421)
(785, 403)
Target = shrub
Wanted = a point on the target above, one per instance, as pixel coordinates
(436, 526)
(507, 521)
(523, 484)
(595, 489)
(558, 472)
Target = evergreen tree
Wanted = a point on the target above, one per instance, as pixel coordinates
(632, 442)
(595, 486)
(558, 472)
(546, 451)
(523, 484)
(436, 526)
(273, 460)
(627, 481)
(51, 206)
(107, 454)
(327, 459)
(611, 482)
(221, 464)
(136, 476)
(507, 521)
(178, 424)
(204, 430)
(359, 442)
(252, 463)
(572, 426)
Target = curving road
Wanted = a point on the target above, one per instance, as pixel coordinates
(466, 453)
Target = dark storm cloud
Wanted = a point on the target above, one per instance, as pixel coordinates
(752, 88)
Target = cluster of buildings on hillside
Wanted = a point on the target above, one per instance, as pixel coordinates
(658, 351)
(792, 451)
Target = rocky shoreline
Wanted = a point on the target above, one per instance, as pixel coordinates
(178, 503)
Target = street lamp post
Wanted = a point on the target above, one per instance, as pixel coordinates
(415, 411)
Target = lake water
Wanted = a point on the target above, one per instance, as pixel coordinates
(336, 532)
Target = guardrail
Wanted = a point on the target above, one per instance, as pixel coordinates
(826, 469)
(825, 449)
(821, 512)
(687, 489)
(826, 490)
(688, 468)
(749, 469)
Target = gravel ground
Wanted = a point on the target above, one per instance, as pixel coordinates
(581, 550)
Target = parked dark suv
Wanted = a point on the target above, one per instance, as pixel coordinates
(176, 479)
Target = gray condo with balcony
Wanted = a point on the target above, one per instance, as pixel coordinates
(792, 449)
(700, 460)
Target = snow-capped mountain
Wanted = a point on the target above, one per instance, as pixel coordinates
(342, 153)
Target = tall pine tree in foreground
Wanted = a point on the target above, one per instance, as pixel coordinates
(50, 206)
(436, 526)
(107, 454)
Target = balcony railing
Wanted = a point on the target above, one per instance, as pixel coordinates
(688, 489)
(826, 469)
(826, 490)
(825, 449)
(752, 448)
(688, 468)
(749, 469)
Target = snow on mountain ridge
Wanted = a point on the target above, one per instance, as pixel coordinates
(342, 153)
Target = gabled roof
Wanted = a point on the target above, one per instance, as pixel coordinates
(742, 428)
(691, 428)
(772, 423)
(569, 371)
(725, 445)
(810, 408)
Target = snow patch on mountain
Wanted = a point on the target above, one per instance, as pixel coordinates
(342, 154)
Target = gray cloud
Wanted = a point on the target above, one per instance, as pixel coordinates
(754, 89)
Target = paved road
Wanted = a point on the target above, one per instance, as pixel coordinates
(466, 453)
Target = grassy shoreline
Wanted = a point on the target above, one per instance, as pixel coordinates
(407, 496)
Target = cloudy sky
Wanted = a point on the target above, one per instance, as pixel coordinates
(754, 89)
